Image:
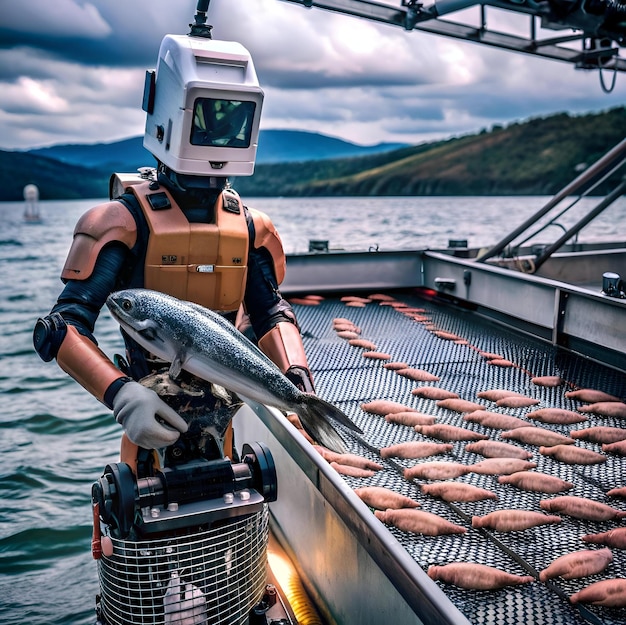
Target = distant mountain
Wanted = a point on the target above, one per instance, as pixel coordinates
(275, 146)
(56, 180)
(535, 157)
(288, 146)
(126, 155)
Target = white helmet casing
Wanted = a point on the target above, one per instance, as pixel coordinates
(203, 107)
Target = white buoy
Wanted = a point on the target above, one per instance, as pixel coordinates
(31, 201)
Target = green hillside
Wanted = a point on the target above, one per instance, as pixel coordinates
(56, 180)
(537, 157)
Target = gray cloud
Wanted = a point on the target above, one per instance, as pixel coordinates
(72, 71)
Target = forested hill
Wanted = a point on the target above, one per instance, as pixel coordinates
(536, 157)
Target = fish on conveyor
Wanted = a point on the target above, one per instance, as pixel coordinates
(347, 459)
(433, 392)
(446, 432)
(581, 508)
(383, 407)
(205, 344)
(381, 297)
(415, 449)
(436, 470)
(343, 324)
(500, 362)
(496, 449)
(600, 434)
(343, 321)
(615, 409)
(355, 299)
(619, 491)
(501, 466)
(410, 418)
(578, 564)
(373, 355)
(362, 343)
(459, 405)
(346, 469)
(395, 365)
(418, 522)
(383, 498)
(615, 538)
(618, 447)
(537, 482)
(513, 520)
(570, 454)
(447, 336)
(473, 576)
(516, 401)
(549, 381)
(457, 491)
(556, 416)
(608, 592)
(495, 420)
(590, 395)
(496, 394)
(537, 436)
(417, 375)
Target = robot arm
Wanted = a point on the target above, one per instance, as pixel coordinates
(66, 334)
(272, 317)
(102, 239)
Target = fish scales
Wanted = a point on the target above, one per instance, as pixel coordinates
(207, 345)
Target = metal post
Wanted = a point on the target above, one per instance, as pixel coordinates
(601, 165)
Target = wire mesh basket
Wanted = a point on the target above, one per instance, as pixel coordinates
(213, 576)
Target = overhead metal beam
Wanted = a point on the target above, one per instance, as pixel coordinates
(412, 16)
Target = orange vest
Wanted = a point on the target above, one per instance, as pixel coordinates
(199, 262)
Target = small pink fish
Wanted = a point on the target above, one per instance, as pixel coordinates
(538, 482)
(419, 522)
(581, 508)
(457, 491)
(476, 576)
(578, 564)
(513, 520)
(436, 470)
(383, 498)
(608, 592)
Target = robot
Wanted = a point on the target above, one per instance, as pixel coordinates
(181, 523)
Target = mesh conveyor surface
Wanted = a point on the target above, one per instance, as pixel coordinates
(344, 377)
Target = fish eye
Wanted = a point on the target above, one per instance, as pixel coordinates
(126, 305)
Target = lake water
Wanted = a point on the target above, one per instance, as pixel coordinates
(56, 439)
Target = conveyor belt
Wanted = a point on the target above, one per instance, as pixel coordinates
(344, 377)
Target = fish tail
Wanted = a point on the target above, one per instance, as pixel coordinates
(314, 414)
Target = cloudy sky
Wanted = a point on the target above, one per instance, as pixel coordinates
(72, 71)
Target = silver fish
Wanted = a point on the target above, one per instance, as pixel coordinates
(205, 344)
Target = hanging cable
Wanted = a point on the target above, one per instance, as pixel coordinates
(604, 87)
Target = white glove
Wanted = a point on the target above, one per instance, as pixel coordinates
(136, 407)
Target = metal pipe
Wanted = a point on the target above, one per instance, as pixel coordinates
(603, 163)
(607, 201)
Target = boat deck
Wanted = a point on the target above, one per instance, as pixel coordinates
(348, 379)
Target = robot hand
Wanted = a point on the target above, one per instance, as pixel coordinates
(301, 377)
(136, 407)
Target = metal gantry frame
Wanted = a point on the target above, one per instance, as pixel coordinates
(598, 36)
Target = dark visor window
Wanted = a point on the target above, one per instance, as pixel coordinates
(222, 123)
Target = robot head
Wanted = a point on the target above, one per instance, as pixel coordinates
(203, 106)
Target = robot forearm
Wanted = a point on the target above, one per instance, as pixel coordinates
(78, 356)
(283, 345)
